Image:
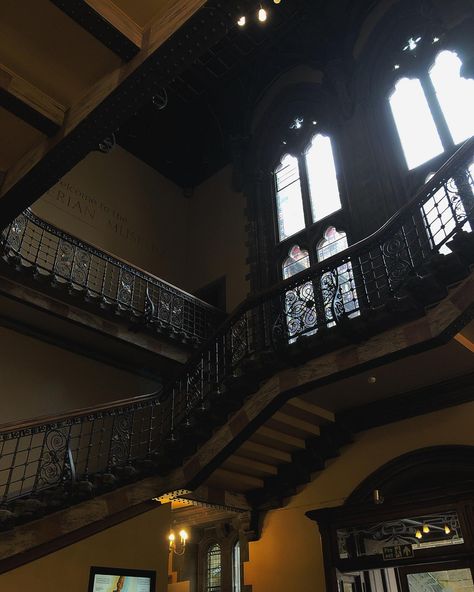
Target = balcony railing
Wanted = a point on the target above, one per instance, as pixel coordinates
(66, 458)
(31, 244)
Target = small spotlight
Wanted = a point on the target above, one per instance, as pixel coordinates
(447, 530)
(262, 15)
(242, 21)
(426, 528)
(418, 534)
(276, 1)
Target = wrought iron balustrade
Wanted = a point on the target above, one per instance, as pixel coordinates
(30, 243)
(46, 461)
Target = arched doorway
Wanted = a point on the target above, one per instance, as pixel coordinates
(408, 527)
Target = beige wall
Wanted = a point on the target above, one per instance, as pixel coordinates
(119, 204)
(139, 543)
(288, 556)
(217, 237)
(39, 379)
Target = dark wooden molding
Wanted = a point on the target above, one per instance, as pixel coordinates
(74, 537)
(199, 33)
(98, 27)
(415, 472)
(29, 115)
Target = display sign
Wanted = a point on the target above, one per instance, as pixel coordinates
(105, 579)
(397, 552)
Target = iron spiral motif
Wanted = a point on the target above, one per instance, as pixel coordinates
(53, 460)
(64, 259)
(397, 261)
(80, 267)
(17, 230)
(125, 287)
(120, 440)
(300, 310)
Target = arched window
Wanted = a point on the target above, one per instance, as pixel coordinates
(306, 186)
(236, 568)
(432, 110)
(297, 260)
(214, 568)
(338, 288)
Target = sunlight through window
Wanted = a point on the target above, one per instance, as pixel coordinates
(455, 95)
(323, 187)
(416, 127)
(288, 197)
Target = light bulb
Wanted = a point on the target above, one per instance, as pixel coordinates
(262, 15)
(418, 534)
(447, 530)
(426, 528)
(183, 535)
(241, 22)
(276, 1)
(171, 537)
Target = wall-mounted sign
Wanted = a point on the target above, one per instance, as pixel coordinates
(397, 552)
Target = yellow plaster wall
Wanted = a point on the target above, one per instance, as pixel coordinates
(217, 237)
(123, 206)
(288, 556)
(139, 543)
(39, 379)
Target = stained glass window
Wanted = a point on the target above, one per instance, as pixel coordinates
(415, 124)
(297, 260)
(455, 95)
(236, 568)
(322, 178)
(214, 568)
(338, 289)
(428, 123)
(288, 197)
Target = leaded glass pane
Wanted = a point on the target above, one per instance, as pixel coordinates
(338, 286)
(415, 124)
(299, 302)
(288, 197)
(297, 260)
(322, 178)
(214, 568)
(455, 95)
(236, 568)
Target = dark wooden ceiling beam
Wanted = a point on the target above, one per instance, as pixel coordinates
(179, 36)
(107, 23)
(29, 103)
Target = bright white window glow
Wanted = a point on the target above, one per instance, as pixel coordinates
(455, 95)
(236, 578)
(323, 188)
(416, 127)
(288, 197)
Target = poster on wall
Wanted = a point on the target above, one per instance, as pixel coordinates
(106, 579)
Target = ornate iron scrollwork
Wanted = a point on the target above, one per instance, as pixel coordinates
(53, 464)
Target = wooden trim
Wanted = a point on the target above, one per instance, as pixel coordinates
(296, 423)
(102, 110)
(109, 11)
(29, 103)
(249, 466)
(312, 409)
(107, 23)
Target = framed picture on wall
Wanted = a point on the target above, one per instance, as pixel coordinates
(115, 579)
